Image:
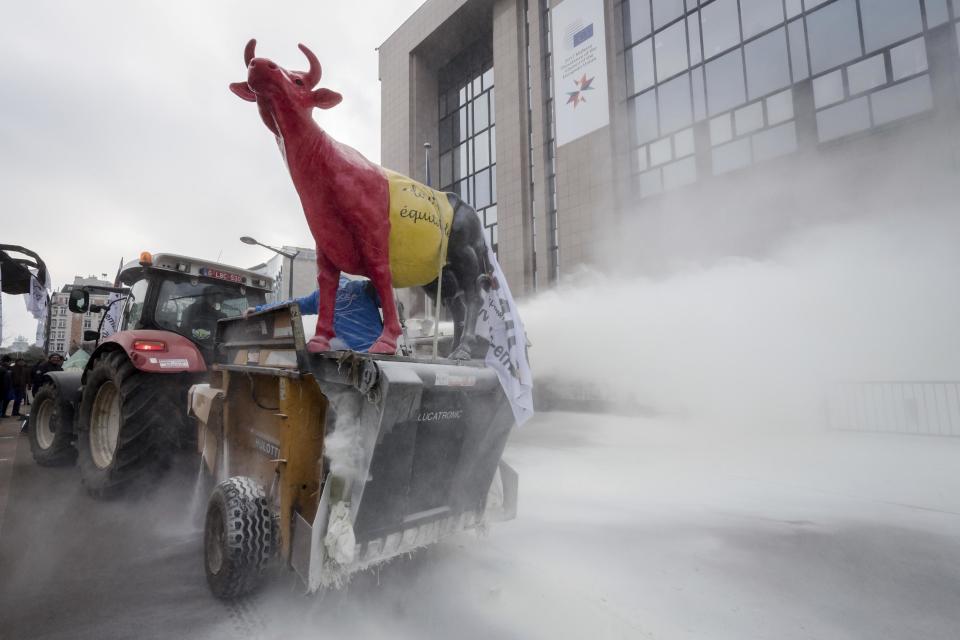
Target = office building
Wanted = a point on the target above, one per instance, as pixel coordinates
(689, 130)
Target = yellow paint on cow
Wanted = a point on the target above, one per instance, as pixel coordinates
(420, 221)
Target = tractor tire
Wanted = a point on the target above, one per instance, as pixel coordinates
(129, 425)
(238, 538)
(51, 439)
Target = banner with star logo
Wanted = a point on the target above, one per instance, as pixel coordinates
(579, 69)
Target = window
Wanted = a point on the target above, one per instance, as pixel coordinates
(725, 82)
(699, 96)
(775, 142)
(645, 117)
(833, 34)
(693, 28)
(887, 21)
(666, 10)
(759, 15)
(481, 113)
(134, 307)
(908, 59)
(732, 156)
(902, 100)
(192, 309)
(680, 173)
(828, 89)
(780, 107)
(721, 26)
(636, 22)
(482, 197)
(481, 152)
(650, 183)
(683, 143)
(660, 152)
(446, 131)
(798, 51)
(936, 12)
(843, 119)
(446, 166)
(720, 129)
(640, 67)
(674, 102)
(768, 66)
(867, 74)
(749, 118)
(671, 47)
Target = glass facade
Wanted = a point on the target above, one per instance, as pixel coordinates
(732, 65)
(550, 146)
(468, 148)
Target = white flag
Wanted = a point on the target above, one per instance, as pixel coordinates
(41, 340)
(37, 303)
(111, 322)
(36, 300)
(500, 323)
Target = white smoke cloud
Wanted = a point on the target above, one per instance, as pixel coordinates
(761, 339)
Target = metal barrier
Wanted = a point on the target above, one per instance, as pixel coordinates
(929, 408)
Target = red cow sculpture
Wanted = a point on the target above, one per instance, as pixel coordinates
(346, 200)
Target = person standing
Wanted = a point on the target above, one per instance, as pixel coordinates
(53, 363)
(356, 317)
(20, 377)
(6, 384)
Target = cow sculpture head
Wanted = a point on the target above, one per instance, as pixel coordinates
(280, 92)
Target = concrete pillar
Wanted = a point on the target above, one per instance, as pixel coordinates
(515, 231)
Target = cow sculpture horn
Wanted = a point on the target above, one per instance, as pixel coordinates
(248, 51)
(313, 75)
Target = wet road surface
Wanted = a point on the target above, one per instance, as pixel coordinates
(628, 528)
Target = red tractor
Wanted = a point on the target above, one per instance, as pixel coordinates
(125, 414)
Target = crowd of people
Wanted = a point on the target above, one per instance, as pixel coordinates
(19, 382)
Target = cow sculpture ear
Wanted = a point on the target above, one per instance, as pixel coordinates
(325, 98)
(243, 90)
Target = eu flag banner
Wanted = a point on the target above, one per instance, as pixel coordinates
(579, 69)
(583, 35)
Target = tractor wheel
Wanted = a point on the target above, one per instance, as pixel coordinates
(49, 429)
(238, 538)
(129, 425)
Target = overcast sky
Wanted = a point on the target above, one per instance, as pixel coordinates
(118, 133)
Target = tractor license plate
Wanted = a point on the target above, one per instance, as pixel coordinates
(174, 363)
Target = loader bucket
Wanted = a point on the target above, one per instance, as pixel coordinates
(411, 447)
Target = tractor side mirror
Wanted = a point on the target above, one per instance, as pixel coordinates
(91, 335)
(79, 301)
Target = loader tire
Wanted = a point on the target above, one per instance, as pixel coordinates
(51, 439)
(129, 426)
(238, 538)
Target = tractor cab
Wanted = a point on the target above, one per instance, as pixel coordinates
(187, 296)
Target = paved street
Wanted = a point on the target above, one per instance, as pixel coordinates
(628, 528)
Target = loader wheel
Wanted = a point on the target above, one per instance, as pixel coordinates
(238, 538)
(128, 427)
(48, 429)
